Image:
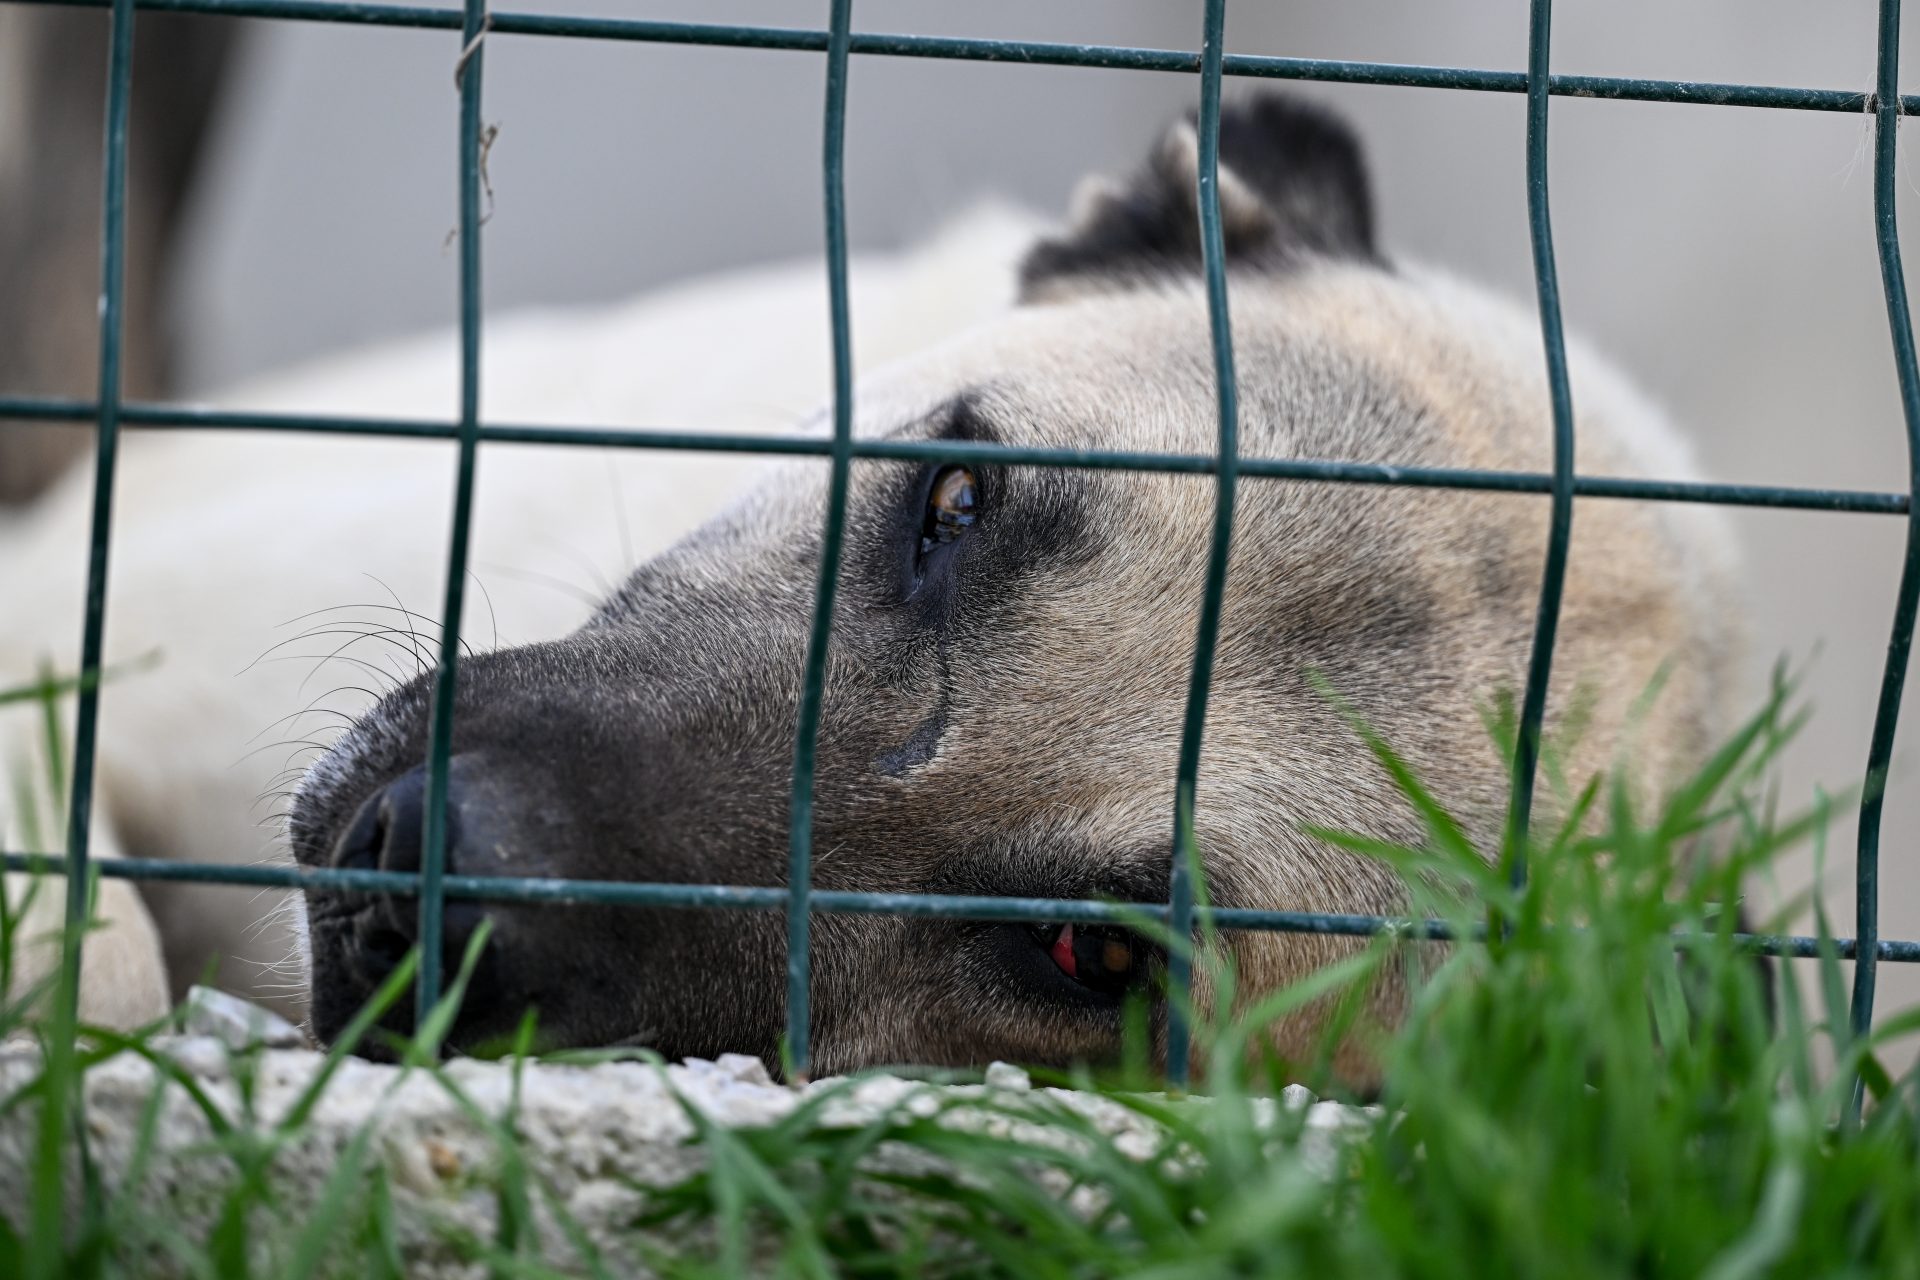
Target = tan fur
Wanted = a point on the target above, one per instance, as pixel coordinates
(1075, 723)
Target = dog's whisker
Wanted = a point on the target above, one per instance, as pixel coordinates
(334, 627)
(357, 636)
(274, 746)
(304, 711)
(492, 617)
(550, 582)
(372, 605)
(620, 512)
(582, 561)
(410, 615)
(369, 628)
(321, 659)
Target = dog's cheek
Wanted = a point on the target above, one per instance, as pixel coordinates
(1265, 963)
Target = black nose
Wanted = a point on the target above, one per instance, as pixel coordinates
(386, 835)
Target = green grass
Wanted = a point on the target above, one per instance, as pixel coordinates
(1574, 1097)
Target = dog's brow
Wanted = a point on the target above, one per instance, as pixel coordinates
(966, 419)
(959, 418)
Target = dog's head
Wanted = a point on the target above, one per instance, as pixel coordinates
(1011, 649)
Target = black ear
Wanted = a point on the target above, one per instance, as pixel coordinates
(1292, 184)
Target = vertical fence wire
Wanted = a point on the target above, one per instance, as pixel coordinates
(433, 839)
(113, 240)
(1533, 705)
(1886, 133)
(49, 1218)
(1213, 258)
(813, 679)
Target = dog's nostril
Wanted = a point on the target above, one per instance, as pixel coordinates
(385, 834)
(373, 931)
(402, 820)
(358, 847)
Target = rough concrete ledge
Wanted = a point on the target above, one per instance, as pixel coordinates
(596, 1137)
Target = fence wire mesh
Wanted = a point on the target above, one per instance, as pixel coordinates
(476, 24)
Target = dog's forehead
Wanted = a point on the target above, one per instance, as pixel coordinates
(1045, 373)
(1136, 370)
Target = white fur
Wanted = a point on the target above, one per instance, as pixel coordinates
(221, 538)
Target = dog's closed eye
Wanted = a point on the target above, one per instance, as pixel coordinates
(1105, 959)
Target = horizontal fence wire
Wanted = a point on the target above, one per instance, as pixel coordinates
(179, 418)
(107, 415)
(552, 891)
(1034, 53)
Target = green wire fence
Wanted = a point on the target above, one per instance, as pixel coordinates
(477, 24)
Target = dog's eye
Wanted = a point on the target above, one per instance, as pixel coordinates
(952, 506)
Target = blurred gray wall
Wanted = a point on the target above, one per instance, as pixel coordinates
(1724, 254)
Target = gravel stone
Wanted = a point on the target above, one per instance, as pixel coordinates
(235, 1022)
(596, 1137)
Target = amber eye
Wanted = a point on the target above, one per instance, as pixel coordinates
(953, 504)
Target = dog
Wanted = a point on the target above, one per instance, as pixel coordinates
(1010, 648)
